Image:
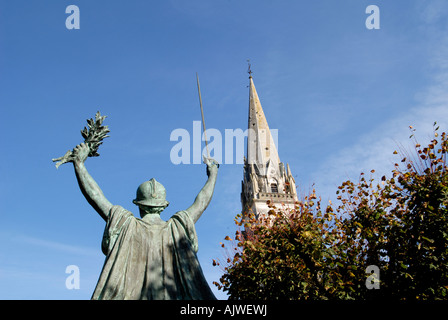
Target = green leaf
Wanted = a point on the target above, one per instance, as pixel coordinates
(427, 239)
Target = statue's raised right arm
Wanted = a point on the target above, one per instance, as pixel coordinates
(205, 195)
(88, 186)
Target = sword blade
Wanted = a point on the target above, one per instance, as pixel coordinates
(202, 114)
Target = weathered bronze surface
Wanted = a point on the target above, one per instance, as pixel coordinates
(147, 257)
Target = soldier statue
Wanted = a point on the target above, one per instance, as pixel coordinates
(147, 258)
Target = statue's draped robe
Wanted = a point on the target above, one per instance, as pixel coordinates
(150, 261)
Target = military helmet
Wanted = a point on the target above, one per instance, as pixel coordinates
(152, 194)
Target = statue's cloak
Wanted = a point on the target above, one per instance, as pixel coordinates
(148, 261)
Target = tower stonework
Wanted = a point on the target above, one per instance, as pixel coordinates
(265, 177)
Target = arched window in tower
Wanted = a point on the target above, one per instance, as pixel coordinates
(274, 188)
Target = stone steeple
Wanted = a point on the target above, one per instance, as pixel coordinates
(261, 148)
(265, 176)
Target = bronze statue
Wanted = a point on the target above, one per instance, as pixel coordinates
(147, 257)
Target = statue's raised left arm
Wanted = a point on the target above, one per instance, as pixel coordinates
(87, 184)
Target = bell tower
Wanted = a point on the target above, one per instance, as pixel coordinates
(265, 176)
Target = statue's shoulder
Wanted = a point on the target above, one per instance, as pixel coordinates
(118, 211)
(117, 207)
(181, 213)
(183, 217)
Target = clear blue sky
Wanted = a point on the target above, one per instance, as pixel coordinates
(341, 96)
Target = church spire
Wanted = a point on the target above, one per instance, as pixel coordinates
(261, 149)
(265, 177)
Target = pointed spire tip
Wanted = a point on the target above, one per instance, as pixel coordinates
(249, 71)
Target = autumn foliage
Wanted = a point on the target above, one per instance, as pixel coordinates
(398, 224)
